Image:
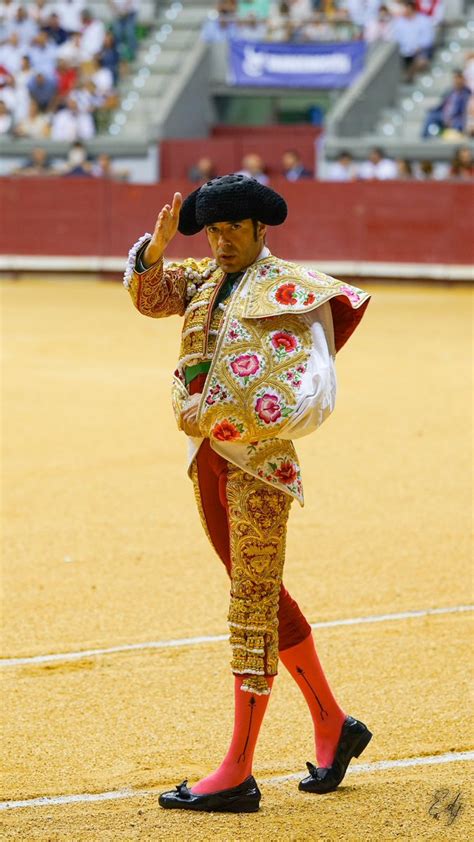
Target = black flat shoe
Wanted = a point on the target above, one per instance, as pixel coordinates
(355, 737)
(244, 798)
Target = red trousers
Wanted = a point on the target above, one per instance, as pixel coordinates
(293, 627)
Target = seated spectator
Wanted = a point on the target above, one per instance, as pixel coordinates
(54, 30)
(251, 29)
(35, 125)
(69, 12)
(37, 164)
(451, 111)
(414, 34)
(70, 124)
(22, 94)
(300, 11)
(23, 26)
(77, 163)
(379, 28)
(425, 170)
(66, 78)
(6, 119)
(404, 169)
(378, 167)
(39, 11)
(93, 34)
(220, 25)
(252, 165)
(8, 10)
(43, 54)
(315, 29)
(124, 26)
(72, 51)
(279, 25)
(462, 165)
(109, 56)
(363, 12)
(42, 90)
(102, 78)
(203, 170)
(293, 167)
(103, 168)
(10, 54)
(343, 169)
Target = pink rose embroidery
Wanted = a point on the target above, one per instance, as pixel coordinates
(268, 408)
(245, 365)
(352, 296)
(284, 341)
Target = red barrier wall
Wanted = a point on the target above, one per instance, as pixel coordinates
(372, 221)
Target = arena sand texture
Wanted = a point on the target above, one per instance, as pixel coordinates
(104, 548)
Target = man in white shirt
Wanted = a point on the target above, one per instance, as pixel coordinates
(256, 370)
(70, 124)
(343, 169)
(69, 13)
(10, 54)
(414, 34)
(43, 55)
(93, 34)
(378, 167)
(23, 26)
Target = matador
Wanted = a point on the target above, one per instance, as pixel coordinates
(256, 370)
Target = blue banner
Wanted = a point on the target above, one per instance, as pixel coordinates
(296, 65)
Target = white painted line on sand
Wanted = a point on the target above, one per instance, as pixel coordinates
(377, 766)
(217, 638)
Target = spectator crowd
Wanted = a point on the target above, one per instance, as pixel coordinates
(377, 167)
(412, 24)
(60, 66)
(78, 163)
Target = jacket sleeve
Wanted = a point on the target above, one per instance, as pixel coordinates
(156, 291)
(318, 395)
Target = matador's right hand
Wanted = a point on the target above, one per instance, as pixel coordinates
(165, 229)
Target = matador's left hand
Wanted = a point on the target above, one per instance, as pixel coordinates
(189, 422)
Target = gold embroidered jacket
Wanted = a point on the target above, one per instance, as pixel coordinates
(258, 349)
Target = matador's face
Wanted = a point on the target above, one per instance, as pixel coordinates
(236, 245)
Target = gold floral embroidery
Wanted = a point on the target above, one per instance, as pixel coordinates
(277, 286)
(158, 293)
(259, 377)
(193, 339)
(258, 517)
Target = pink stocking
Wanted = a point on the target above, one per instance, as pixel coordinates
(237, 764)
(303, 663)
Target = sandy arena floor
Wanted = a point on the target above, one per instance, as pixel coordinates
(103, 548)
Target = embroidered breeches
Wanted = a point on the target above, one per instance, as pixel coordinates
(245, 520)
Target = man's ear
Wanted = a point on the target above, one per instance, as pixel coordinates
(262, 230)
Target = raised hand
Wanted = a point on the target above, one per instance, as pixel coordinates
(165, 229)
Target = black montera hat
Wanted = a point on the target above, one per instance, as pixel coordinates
(228, 199)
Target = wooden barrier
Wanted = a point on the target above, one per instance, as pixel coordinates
(389, 222)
